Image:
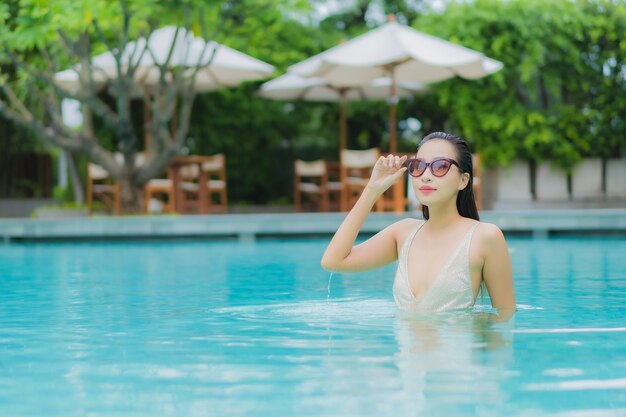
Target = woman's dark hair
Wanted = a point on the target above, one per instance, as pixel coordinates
(465, 202)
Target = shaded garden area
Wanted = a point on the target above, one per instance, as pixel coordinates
(560, 96)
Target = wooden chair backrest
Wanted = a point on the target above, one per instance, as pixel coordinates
(359, 158)
(216, 163)
(96, 172)
(310, 168)
(189, 172)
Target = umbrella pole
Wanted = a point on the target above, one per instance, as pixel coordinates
(343, 144)
(393, 146)
(398, 187)
(343, 122)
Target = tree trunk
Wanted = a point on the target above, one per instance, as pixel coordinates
(77, 184)
(131, 197)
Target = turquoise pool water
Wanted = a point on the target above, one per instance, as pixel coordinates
(249, 329)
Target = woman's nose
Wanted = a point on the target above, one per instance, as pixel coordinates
(426, 176)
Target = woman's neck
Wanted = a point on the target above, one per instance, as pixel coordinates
(443, 216)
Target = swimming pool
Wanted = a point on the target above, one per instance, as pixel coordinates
(241, 329)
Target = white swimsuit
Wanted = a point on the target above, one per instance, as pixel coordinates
(451, 289)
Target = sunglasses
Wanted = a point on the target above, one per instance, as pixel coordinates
(439, 166)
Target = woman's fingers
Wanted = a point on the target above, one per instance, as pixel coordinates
(392, 161)
(391, 164)
(387, 171)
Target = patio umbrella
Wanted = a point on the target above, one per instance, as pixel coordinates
(174, 47)
(221, 66)
(400, 53)
(291, 86)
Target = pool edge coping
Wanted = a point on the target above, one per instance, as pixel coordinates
(251, 226)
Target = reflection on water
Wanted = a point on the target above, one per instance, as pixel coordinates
(452, 362)
(368, 351)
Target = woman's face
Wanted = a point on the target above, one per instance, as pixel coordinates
(437, 190)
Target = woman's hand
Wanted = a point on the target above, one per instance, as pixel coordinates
(388, 169)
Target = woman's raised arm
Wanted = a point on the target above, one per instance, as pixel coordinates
(341, 255)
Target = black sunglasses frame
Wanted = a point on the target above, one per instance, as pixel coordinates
(409, 162)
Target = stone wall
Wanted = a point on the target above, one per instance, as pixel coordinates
(591, 184)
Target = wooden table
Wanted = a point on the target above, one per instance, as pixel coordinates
(174, 172)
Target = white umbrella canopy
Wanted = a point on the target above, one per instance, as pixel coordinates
(413, 56)
(103, 64)
(221, 66)
(172, 47)
(400, 53)
(291, 86)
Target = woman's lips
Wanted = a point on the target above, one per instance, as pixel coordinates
(426, 189)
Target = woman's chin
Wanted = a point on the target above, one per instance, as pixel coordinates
(432, 201)
(426, 200)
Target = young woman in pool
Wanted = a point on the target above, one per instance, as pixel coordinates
(444, 260)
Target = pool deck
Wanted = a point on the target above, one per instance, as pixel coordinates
(248, 227)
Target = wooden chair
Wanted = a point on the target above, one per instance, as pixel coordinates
(200, 185)
(101, 187)
(477, 187)
(310, 179)
(157, 188)
(333, 168)
(164, 187)
(160, 190)
(214, 173)
(356, 168)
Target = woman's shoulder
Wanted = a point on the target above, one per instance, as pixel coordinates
(488, 230)
(402, 228)
(488, 235)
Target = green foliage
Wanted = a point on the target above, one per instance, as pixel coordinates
(560, 95)
(63, 194)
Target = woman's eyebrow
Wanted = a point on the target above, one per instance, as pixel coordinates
(433, 158)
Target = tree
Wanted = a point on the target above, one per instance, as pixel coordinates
(48, 36)
(561, 94)
(14, 140)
